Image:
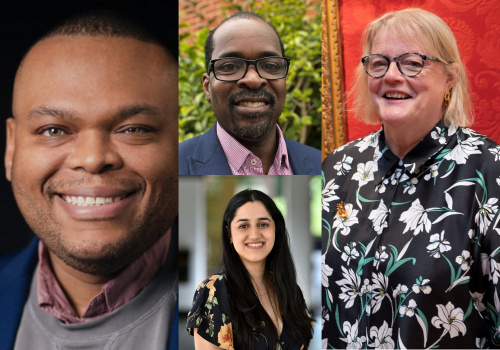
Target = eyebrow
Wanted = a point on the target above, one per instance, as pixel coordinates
(238, 54)
(63, 114)
(259, 219)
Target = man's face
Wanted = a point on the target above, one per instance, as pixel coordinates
(249, 108)
(92, 151)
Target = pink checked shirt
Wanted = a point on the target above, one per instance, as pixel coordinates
(243, 162)
(115, 293)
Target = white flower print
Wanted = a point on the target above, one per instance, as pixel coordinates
(464, 149)
(480, 343)
(436, 136)
(364, 173)
(496, 152)
(423, 286)
(352, 339)
(433, 172)
(379, 290)
(376, 156)
(438, 245)
(464, 260)
(349, 286)
(324, 343)
(383, 186)
(485, 215)
(498, 181)
(450, 319)
(343, 166)
(415, 218)
(324, 317)
(367, 141)
(490, 267)
(328, 194)
(378, 216)
(326, 271)
(382, 337)
(478, 301)
(471, 233)
(350, 252)
(345, 223)
(395, 176)
(400, 289)
(408, 310)
(412, 188)
(380, 256)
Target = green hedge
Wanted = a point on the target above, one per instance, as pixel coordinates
(299, 25)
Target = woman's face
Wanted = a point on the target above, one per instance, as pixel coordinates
(422, 95)
(253, 232)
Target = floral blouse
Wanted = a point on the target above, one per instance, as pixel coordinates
(410, 246)
(211, 315)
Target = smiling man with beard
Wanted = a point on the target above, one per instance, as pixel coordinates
(92, 157)
(246, 86)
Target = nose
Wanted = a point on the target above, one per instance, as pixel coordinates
(95, 153)
(393, 74)
(252, 80)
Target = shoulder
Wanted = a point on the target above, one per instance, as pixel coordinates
(187, 147)
(21, 262)
(294, 146)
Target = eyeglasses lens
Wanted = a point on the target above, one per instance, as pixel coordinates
(234, 69)
(410, 65)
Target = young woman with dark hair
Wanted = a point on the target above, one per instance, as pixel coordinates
(256, 303)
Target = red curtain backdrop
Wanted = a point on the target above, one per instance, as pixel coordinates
(476, 25)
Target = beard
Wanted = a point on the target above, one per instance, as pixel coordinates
(261, 122)
(94, 257)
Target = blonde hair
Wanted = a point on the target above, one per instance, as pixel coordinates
(431, 32)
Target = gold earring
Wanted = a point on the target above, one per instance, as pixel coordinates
(446, 99)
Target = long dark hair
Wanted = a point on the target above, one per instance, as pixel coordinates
(246, 310)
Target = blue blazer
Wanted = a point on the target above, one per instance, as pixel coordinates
(16, 274)
(203, 155)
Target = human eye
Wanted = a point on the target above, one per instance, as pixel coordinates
(135, 130)
(242, 226)
(412, 62)
(228, 66)
(264, 224)
(53, 131)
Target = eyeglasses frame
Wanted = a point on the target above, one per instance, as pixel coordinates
(248, 63)
(396, 59)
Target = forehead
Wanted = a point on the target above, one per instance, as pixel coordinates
(86, 71)
(388, 42)
(246, 38)
(252, 210)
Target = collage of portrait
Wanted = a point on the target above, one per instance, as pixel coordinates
(250, 174)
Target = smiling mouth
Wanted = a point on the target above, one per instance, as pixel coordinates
(82, 201)
(251, 104)
(396, 96)
(255, 244)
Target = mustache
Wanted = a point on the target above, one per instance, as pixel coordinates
(260, 92)
(130, 185)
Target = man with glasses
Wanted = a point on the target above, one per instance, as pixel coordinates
(246, 86)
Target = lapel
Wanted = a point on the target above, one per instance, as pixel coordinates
(16, 274)
(300, 162)
(208, 157)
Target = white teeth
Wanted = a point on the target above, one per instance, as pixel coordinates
(396, 95)
(254, 244)
(252, 104)
(90, 201)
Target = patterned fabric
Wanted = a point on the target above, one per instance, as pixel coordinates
(115, 293)
(410, 247)
(475, 26)
(211, 315)
(243, 162)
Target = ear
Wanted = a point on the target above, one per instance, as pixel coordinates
(10, 147)
(206, 86)
(452, 75)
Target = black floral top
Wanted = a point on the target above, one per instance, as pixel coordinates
(211, 315)
(410, 247)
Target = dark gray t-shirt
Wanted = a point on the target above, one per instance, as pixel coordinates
(143, 323)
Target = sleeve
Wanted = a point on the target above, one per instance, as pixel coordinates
(210, 313)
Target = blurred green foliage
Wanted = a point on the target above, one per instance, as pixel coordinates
(298, 22)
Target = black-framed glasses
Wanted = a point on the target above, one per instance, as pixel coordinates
(409, 64)
(233, 69)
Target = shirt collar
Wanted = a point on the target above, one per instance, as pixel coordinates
(431, 144)
(115, 293)
(237, 154)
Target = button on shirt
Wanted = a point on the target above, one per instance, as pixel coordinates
(411, 247)
(243, 162)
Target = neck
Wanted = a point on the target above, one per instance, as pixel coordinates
(79, 287)
(257, 272)
(401, 139)
(265, 149)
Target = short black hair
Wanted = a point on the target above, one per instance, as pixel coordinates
(209, 44)
(107, 23)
